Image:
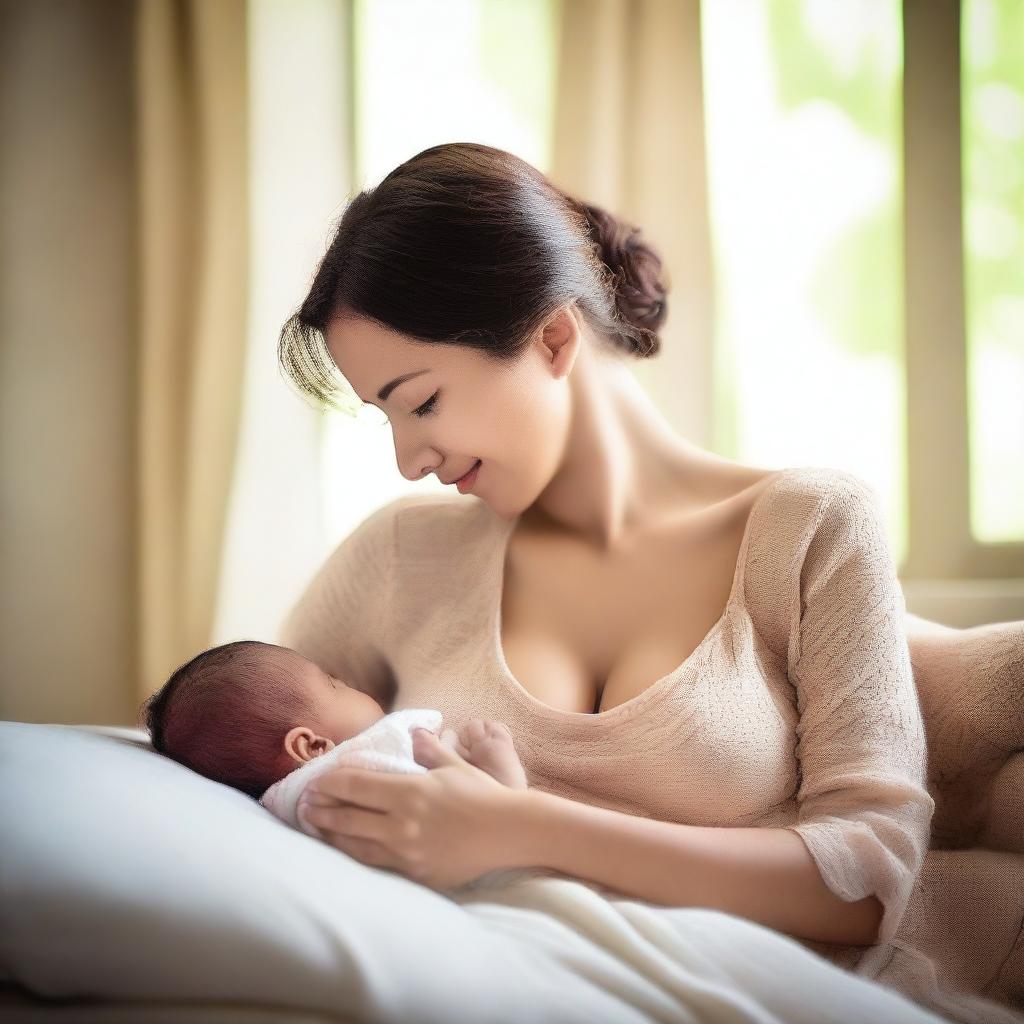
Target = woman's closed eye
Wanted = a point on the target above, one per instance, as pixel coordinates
(428, 406)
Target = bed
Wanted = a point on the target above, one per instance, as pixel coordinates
(132, 889)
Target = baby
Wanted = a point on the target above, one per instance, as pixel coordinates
(249, 714)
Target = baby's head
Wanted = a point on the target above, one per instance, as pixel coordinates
(248, 713)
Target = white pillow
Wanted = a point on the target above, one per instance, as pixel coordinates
(124, 874)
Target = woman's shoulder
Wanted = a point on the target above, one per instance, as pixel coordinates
(807, 519)
(742, 485)
(417, 508)
(822, 480)
(798, 498)
(812, 513)
(421, 527)
(438, 523)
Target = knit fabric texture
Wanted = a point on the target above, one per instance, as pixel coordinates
(813, 704)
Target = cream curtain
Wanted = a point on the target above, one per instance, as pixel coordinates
(629, 136)
(193, 273)
(300, 160)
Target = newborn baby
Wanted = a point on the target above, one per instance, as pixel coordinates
(250, 714)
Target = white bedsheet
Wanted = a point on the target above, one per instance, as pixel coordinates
(125, 876)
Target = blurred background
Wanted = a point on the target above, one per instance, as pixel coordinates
(836, 186)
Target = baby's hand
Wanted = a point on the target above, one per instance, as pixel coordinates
(488, 745)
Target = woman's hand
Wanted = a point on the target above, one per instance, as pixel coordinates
(443, 829)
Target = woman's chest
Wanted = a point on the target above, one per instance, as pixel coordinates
(585, 632)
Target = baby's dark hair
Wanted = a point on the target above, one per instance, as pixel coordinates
(225, 713)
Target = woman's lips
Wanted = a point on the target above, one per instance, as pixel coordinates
(466, 482)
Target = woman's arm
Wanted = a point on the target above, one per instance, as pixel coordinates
(765, 875)
(455, 823)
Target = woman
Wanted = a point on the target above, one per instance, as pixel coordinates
(703, 664)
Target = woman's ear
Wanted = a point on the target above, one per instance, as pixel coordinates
(560, 339)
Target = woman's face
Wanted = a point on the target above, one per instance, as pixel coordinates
(452, 405)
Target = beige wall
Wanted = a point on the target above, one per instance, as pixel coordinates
(66, 362)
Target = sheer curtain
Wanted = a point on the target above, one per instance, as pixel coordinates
(629, 136)
(300, 181)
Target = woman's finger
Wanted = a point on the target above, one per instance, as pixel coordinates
(319, 800)
(366, 851)
(345, 819)
(360, 786)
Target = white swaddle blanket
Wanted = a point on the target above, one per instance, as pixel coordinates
(385, 746)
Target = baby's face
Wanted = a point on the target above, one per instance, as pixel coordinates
(342, 712)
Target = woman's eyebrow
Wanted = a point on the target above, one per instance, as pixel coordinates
(391, 385)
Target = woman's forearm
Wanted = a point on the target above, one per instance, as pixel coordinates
(766, 875)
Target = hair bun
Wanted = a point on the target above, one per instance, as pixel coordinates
(636, 279)
(465, 244)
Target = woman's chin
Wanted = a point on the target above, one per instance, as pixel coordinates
(504, 513)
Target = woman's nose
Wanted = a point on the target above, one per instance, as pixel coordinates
(418, 463)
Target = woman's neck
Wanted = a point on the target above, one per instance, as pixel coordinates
(623, 468)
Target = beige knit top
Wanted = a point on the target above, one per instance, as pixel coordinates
(797, 710)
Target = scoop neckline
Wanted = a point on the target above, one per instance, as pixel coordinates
(538, 707)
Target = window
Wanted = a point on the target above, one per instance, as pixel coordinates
(865, 189)
(992, 60)
(854, 326)
(474, 82)
(803, 114)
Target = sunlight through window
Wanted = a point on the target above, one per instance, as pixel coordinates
(992, 68)
(803, 116)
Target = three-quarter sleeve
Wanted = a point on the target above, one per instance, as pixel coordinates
(864, 812)
(340, 620)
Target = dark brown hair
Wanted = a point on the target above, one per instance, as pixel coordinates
(225, 713)
(468, 245)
